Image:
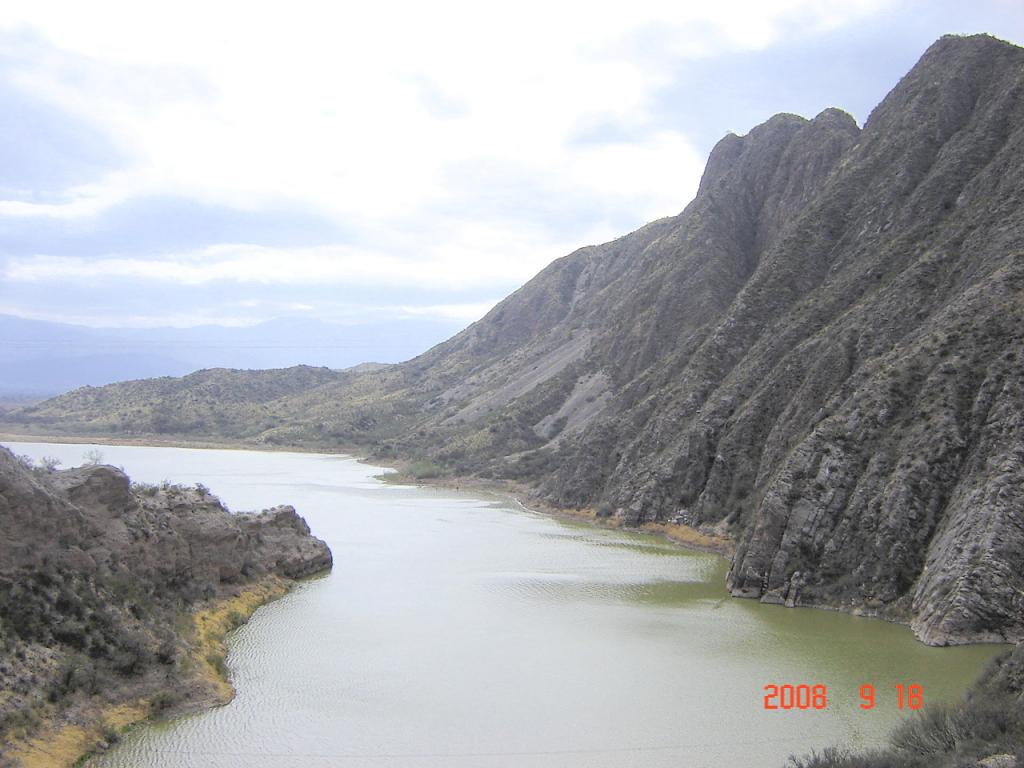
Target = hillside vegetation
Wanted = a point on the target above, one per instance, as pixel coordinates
(114, 600)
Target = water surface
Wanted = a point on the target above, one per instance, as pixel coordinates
(462, 630)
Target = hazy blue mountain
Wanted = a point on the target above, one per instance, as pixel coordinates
(40, 358)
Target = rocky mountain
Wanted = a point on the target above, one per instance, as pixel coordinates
(99, 583)
(820, 357)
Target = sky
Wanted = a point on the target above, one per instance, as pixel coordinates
(189, 163)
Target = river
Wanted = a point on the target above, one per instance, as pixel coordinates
(459, 629)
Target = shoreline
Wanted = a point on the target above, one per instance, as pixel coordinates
(139, 441)
(74, 744)
(684, 536)
(518, 493)
(522, 495)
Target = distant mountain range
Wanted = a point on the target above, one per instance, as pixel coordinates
(822, 358)
(44, 359)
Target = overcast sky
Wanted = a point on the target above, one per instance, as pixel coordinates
(183, 163)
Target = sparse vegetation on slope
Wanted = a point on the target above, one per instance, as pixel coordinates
(986, 729)
(114, 600)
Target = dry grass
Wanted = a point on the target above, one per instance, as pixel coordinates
(63, 746)
(213, 624)
(55, 747)
(691, 537)
(684, 535)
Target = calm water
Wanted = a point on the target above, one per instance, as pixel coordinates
(460, 630)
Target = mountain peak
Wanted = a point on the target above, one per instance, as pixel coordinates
(946, 83)
(962, 43)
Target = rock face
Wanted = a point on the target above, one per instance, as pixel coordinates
(171, 537)
(821, 356)
(95, 574)
(286, 546)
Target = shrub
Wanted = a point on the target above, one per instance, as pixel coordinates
(932, 732)
(424, 470)
(216, 660)
(93, 457)
(145, 489)
(49, 463)
(164, 700)
(110, 734)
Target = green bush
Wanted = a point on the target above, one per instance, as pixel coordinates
(164, 700)
(216, 660)
(424, 470)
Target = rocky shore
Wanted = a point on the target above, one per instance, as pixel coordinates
(115, 599)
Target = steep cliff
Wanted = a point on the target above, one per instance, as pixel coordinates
(99, 579)
(821, 356)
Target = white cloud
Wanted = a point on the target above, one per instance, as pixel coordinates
(188, 319)
(344, 315)
(335, 105)
(79, 202)
(469, 259)
(443, 138)
(467, 312)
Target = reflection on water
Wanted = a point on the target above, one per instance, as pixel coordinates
(460, 630)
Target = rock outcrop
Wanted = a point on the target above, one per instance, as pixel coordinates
(96, 573)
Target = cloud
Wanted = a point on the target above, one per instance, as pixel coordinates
(453, 147)
(360, 110)
(85, 201)
(467, 312)
(459, 263)
(454, 314)
(159, 319)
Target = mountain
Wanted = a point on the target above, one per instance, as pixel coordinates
(820, 357)
(41, 359)
(112, 597)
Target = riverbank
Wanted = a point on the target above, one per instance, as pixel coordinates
(523, 495)
(413, 473)
(115, 597)
(71, 737)
(153, 441)
(429, 574)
